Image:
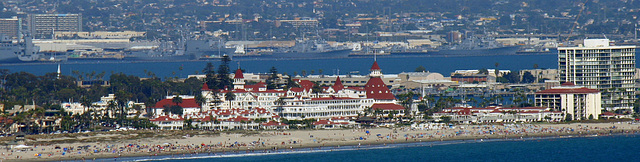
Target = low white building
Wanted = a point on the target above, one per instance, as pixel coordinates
(498, 114)
(323, 108)
(101, 107)
(188, 104)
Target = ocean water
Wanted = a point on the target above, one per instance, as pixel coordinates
(389, 65)
(600, 148)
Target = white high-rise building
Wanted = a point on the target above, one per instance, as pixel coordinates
(597, 65)
(46, 25)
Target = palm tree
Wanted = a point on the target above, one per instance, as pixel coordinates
(86, 103)
(111, 107)
(177, 100)
(367, 111)
(200, 100)
(497, 71)
(377, 112)
(407, 101)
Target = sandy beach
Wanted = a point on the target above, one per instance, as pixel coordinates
(89, 146)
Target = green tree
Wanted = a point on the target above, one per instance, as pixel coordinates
(421, 69)
(406, 100)
(210, 76)
(223, 74)
(483, 71)
(177, 100)
(528, 78)
(291, 83)
(86, 103)
(273, 78)
(445, 119)
(497, 71)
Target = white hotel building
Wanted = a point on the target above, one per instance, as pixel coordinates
(575, 101)
(597, 65)
(302, 102)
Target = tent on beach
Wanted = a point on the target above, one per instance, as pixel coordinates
(21, 147)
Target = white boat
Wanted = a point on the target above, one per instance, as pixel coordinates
(240, 49)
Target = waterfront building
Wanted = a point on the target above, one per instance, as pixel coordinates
(577, 102)
(323, 108)
(476, 78)
(101, 107)
(349, 79)
(167, 122)
(245, 96)
(497, 114)
(46, 25)
(256, 107)
(222, 119)
(490, 72)
(425, 75)
(340, 101)
(100, 34)
(334, 123)
(188, 104)
(541, 74)
(10, 27)
(598, 65)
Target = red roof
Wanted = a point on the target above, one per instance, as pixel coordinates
(273, 123)
(331, 98)
(322, 122)
(238, 119)
(387, 106)
(338, 85)
(205, 119)
(296, 89)
(166, 118)
(186, 103)
(464, 112)
(341, 118)
(610, 114)
(306, 84)
(256, 86)
(5, 120)
(375, 66)
(567, 91)
(327, 122)
(239, 74)
(205, 87)
(567, 84)
(376, 89)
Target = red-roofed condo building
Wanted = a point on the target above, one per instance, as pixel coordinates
(577, 102)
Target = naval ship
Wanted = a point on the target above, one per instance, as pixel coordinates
(17, 51)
